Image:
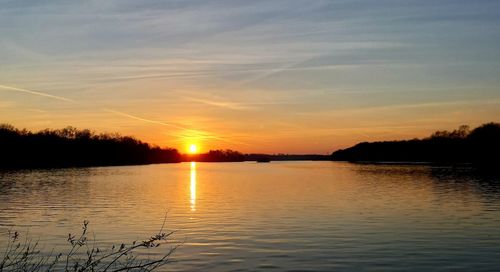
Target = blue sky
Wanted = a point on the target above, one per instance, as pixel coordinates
(271, 76)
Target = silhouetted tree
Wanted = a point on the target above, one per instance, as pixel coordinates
(221, 156)
(70, 147)
(480, 146)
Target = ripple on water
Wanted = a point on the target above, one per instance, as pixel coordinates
(284, 216)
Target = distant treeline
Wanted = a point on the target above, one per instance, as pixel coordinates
(216, 156)
(70, 147)
(288, 157)
(235, 156)
(479, 146)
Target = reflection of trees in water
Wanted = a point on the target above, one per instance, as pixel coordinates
(446, 180)
(485, 183)
(61, 197)
(26, 190)
(61, 182)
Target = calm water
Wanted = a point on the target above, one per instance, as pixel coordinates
(282, 216)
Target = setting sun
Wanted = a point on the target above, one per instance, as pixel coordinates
(193, 149)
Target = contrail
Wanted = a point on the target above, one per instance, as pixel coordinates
(268, 73)
(123, 114)
(201, 134)
(37, 93)
(221, 104)
(75, 102)
(142, 119)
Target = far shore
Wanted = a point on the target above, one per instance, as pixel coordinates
(71, 147)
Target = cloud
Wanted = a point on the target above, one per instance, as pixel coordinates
(187, 132)
(43, 94)
(143, 119)
(233, 54)
(441, 104)
(221, 104)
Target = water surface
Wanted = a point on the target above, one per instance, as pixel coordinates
(282, 216)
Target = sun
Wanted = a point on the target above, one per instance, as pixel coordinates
(193, 149)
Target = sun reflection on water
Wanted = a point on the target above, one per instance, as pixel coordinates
(192, 187)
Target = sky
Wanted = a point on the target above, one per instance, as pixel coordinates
(289, 76)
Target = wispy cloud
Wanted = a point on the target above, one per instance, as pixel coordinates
(221, 104)
(187, 132)
(43, 94)
(171, 63)
(406, 106)
(143, 119)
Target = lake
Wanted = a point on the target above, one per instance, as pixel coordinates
(278, 216)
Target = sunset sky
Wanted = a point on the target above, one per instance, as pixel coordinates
(270, 76)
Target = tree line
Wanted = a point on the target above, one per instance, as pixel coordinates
(71, 147)
(463, 145)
